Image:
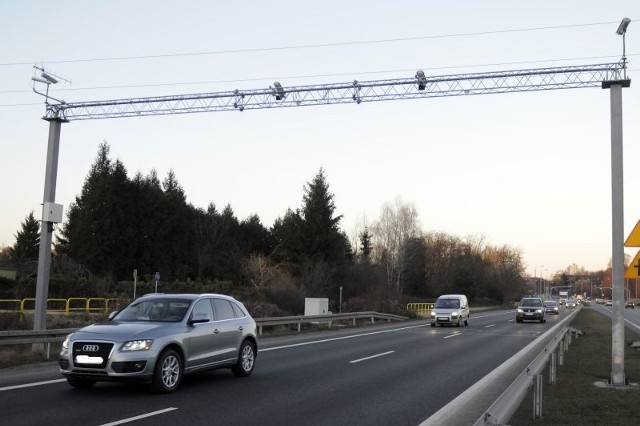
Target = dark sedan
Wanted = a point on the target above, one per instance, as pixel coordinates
(530, 309)
(551, 307)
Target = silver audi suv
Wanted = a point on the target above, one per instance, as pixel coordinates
(158, 338)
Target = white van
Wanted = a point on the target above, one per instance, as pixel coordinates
(452, 309)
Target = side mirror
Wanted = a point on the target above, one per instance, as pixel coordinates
(198, 318)
(111, 315)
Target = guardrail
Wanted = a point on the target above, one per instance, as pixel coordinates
(534, 357)
(506, 405)
(46, 337)
(67, 306)
(328, 319)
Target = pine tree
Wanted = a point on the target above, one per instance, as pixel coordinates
(27, 244)
(366, 241)
(322, 235)
(101, 227)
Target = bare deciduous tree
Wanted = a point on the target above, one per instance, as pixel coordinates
(397, 224)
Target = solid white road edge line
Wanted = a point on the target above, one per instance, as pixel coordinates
(142, 416)
(28, 385)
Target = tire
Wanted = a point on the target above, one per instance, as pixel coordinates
(518, 320)
(433, 324)
(246, 360)
(80, 383)
(459, 321)
(541, 320)
(466, 322)
(168, 373)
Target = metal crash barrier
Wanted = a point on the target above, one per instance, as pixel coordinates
(66, 306)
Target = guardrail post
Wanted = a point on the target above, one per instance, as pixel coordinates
(260, 330)
(354, 321)
(561, 353)
(299, 324)
(568, 339)
(537, 396)
(373, 320)
(552, 368)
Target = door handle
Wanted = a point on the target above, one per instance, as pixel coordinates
(240, 328)
(216, 331)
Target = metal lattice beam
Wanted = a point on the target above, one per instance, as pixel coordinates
(569, 77)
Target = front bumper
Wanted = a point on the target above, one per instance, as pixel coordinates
(106, 364)
(443, 319)
(529, 314)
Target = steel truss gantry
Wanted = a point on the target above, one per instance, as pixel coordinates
(608, 76)
(420, 86)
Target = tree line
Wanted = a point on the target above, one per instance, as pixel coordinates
(119, 224)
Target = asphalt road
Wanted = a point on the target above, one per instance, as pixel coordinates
(398, 374)
(631, 316)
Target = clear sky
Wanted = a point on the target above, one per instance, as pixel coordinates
(528, 170)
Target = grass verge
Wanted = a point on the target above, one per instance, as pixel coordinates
(575, 399)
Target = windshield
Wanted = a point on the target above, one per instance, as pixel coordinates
(549, 303)
(164, 310)
(448, 303)
(531, 302)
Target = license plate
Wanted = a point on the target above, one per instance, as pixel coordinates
(86, 359)
(528, 313)
(443, 319)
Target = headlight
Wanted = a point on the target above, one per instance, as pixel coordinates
(454, 314)
(539, 311)
(520, 311)
(137, 345)
(65, 344)
(433, 314)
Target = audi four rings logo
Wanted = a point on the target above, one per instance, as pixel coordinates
(90, 348)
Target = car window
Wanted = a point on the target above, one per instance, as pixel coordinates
(202, 310)
(238, 311)
(223, 309)
(448, 303)
(156, 309)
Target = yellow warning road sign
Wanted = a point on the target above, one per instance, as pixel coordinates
(633, 240)
(634, 267)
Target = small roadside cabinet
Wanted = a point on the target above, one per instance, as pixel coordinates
(316, 306)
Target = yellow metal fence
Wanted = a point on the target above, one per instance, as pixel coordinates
(67, 306)
(420, 309)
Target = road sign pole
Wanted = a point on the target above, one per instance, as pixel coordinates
(135, 282)
(46, 231)
(617, 233)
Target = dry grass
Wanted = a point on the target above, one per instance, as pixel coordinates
(575, 399)
(12, 355)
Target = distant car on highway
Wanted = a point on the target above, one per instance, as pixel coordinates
(571, 304)
(530, 309)
(609, 302)
(551, 307)
(160, 337)
(629, 304)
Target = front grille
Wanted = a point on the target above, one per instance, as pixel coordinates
(95, 350)
(129, 366)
